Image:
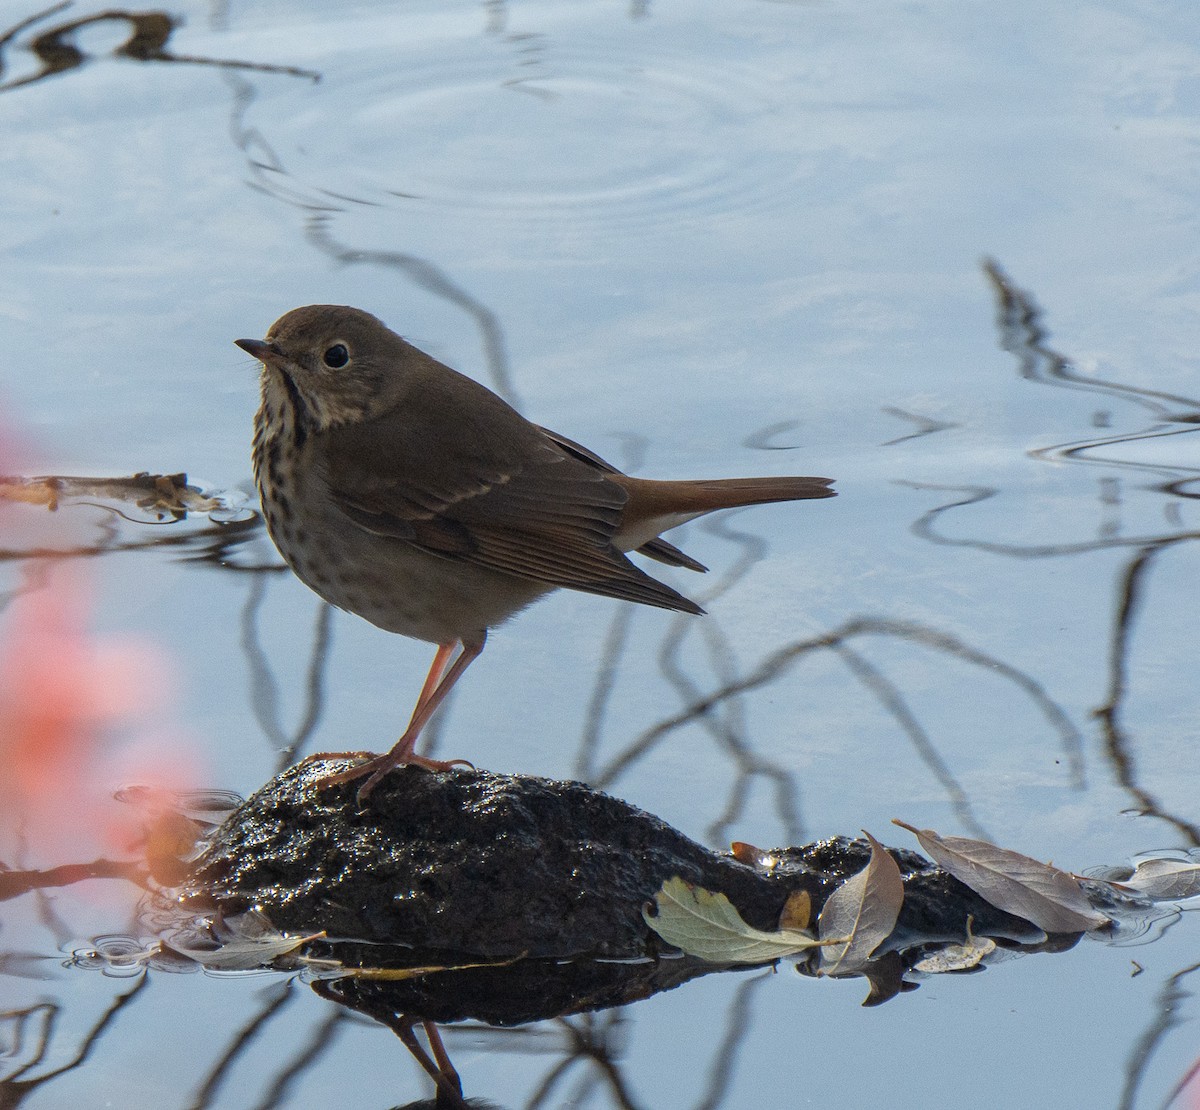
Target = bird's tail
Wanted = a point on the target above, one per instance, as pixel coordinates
(654, 507)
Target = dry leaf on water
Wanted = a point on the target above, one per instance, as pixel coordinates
(706, 925)
(1165, 880)
(244, 941)
(958, 957)
(863, 910)
(335, 969)
(1017, 884)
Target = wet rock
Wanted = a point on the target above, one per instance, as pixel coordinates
(495, 867)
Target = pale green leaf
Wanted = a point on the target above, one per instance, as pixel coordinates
(706, 925)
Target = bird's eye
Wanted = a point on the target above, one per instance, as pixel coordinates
(337, 356)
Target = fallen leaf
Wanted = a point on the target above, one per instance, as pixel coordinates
(706, 925)
(863, 910)
(1017, 884)
(754, 857)
(1166, 880)
(797, 911)
(396, 974)
(958, 957)
(241, 942)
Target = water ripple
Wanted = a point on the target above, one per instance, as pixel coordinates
(605, 139)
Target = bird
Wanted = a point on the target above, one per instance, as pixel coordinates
(411, 495)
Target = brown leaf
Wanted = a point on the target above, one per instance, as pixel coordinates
(1166, 880)
(395, 974)
(1017, 884)
(752, 856)
(863, 910)
(797, 911)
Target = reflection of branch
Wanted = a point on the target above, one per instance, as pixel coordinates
(276, 1000)
(264, 691)
(615, 642)
(322, 1038)
(13, 884)
(727, 730)
(1022, 334)
(891, 698)
(13, 1089)
(737, 1024)
(1166, 1018)
(782, 659)
(589, 1039)
(213, 544)
(923, 528)
(149, 33)
(730, 733)
(926, 425)
(1109, 714)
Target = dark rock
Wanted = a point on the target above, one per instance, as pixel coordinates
(544, 880)
(491, 866)
(498, 866)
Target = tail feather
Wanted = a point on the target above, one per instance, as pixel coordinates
(655, 506)
(650, 497)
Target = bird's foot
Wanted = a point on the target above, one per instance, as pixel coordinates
(324, 756)
(375, 767)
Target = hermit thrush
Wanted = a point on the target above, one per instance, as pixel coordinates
(411, 495)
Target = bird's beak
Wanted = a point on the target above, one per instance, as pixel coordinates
(266, 353)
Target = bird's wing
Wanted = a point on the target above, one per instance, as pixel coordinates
(499, 493)
(657, 548)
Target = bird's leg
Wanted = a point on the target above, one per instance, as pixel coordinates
(437, 686)
(436, 669)
(449, 1086)
(447, 1076)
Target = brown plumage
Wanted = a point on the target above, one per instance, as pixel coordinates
(411, 495)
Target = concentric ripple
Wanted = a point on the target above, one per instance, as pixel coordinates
(602, 138)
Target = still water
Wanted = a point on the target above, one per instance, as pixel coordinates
(943, 253)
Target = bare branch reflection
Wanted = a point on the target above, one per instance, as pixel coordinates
(275, 999)
(727, 728)
(264, 689)
(925, 425)
(270, 175)
(429, 277)
(38, 1026)
(782, 659)
(149, 33)
(1022, 333)
(1167, 1016)
(594, 1039)
(1110, 716)
(737, 1025)
(307, 1056)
